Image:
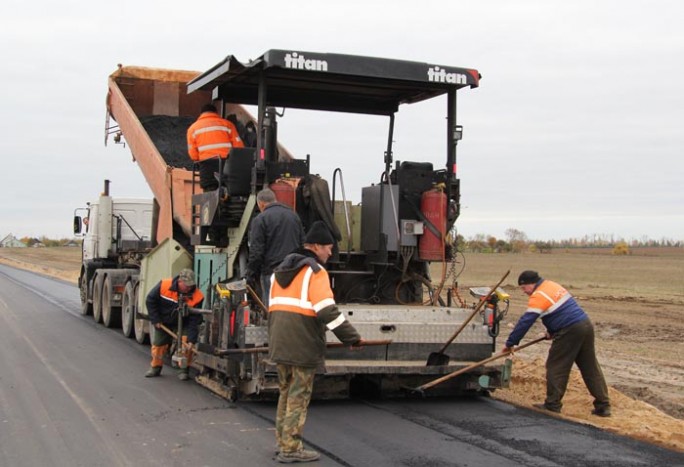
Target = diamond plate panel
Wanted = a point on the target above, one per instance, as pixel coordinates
(257, 335)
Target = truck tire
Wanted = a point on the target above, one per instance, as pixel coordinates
(97, 298)
(139, 325)
(111, 315)
(86, 306)
(128, 310)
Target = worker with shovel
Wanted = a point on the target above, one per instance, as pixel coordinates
(163, 307)
(573, 341)
(301, 309)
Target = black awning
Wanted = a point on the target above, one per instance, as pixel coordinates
(342, 83)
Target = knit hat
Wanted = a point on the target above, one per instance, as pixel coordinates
(319, 234)
(187, 276)
(528, 277)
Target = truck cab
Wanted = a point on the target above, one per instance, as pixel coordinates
(117, 233)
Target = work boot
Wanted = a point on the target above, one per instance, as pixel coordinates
(297, 456)
(183, 375)
(602, 412)
(153, 371)
(546, 407)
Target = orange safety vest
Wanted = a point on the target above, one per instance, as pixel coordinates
(172, 295)
(547, 298)
(307, 294)
(212, 136)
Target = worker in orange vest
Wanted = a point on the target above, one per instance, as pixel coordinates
(210, 138)
(163, 306)
(301, 309)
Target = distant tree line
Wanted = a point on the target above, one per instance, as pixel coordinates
(517, 241)
(45, 241)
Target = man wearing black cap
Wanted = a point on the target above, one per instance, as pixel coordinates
(573, 341)
(301, 309)
(162, 306)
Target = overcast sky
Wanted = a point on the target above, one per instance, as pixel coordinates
(576, 129)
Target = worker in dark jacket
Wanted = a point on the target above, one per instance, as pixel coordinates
(301, 309)
(573, 341)
(162, 306)
(276, 232)
(210, 138)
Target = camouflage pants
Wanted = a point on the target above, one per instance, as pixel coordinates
(296, 385)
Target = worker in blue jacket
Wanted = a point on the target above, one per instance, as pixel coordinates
(573, 341)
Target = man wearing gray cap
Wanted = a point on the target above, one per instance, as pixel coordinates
(275, 233)
(573, 341)
(162, 306)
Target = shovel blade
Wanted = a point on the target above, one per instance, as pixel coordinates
(237, 286)
(411, 391)
(437, 359)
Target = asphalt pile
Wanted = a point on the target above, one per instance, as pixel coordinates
(169, 135)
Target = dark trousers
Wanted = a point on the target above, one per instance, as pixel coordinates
(265, 288)
(574, 344)
(207, 171)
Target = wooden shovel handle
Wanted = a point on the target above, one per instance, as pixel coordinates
(332, 345)
(475, 365)
(175, 336)
(477, 308)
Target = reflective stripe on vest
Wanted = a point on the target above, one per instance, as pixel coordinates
(295, 298)
(547, 298)
(206, 129)
(208, 147)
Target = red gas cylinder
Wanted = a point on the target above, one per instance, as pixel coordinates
(433, 205)
(285, 191)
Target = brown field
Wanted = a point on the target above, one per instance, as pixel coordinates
(61, 262)
(636, 303)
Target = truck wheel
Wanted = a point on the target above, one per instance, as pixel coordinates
(97, 298)
(128, 310)
(86, 306)
(139, 325)
(139, 328)
(111, 315)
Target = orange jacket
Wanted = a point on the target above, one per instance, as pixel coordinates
(212, 136)
(162, 306)
(301, 309)
(169, 291)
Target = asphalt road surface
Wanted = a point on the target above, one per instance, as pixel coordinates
(72, 393)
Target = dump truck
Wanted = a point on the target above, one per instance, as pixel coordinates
(388, 246)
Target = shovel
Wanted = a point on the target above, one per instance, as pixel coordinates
(241, 286)
(421, 389)
(175, 336)
(440, 358)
